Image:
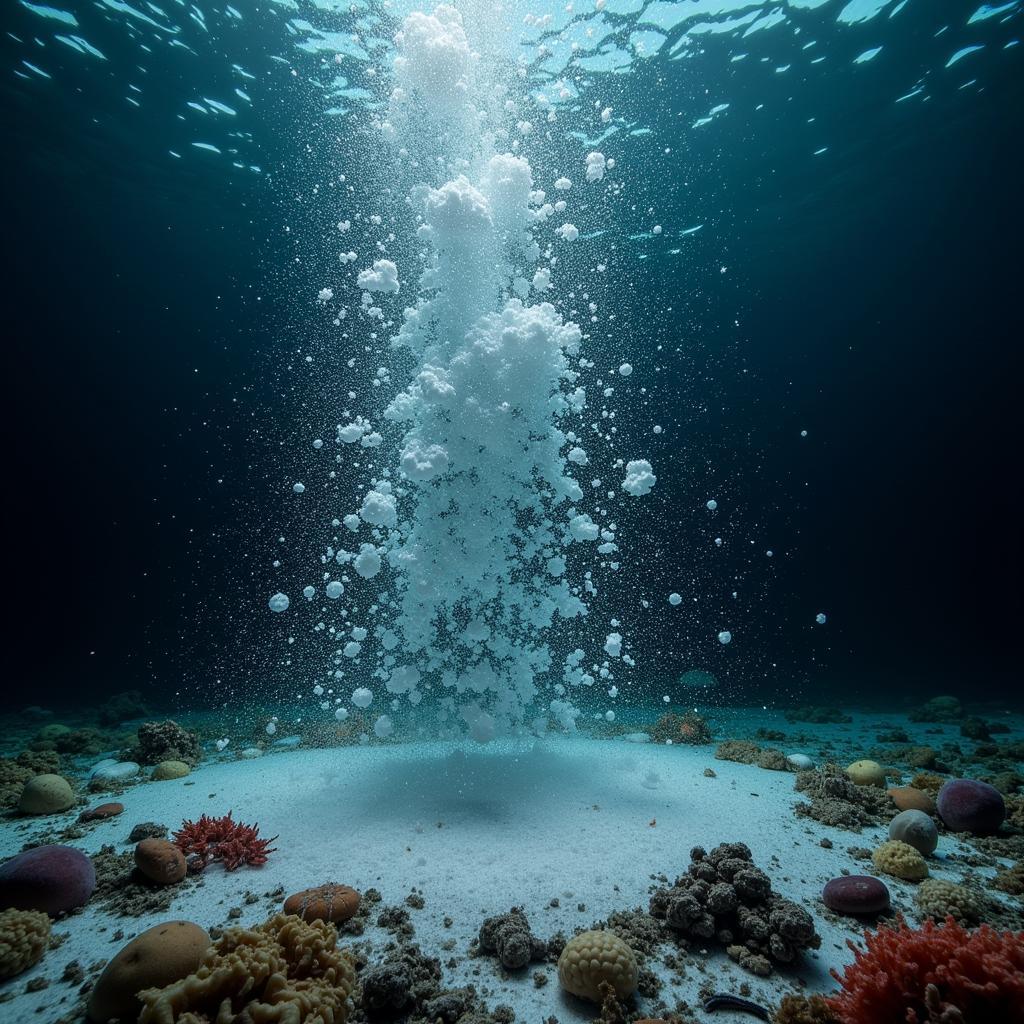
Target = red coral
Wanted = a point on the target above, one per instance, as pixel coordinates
(230, 842)
(937, 973)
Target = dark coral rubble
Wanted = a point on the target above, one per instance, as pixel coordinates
(724, 896)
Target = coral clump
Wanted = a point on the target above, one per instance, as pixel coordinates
(283, 970)
(938, 709)
(595, 959)
(166, 741)
(223, 839)
(509, 938)
(937, 973)
(1011, 879)
(688, 728)
(24, 936)
(836, 800)
(742, 751)
(900, 860)
(939, 899)
(724, 896)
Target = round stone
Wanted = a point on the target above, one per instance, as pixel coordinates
(54, 879)
(101, 811)
(857, 895)
(46, 794)
(160, 861)
(907, 798)
(969, 805)
(866, 773)
(916, 829)
(154, 959)
(167, 770)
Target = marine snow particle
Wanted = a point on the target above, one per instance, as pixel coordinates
(271, 728)
(341, 714)
(318, 444)
(569, 232)
(563, 184)
(820, 618)
(656, 229)
(298, 488)
(308, 593)
(609, 716)
(362, 698)
(625, 370)
(334, 590)
(383, 727)
(674, 598)
(613, 644)
(712, 505)
(279, 603)
(352, 649)
(803, 433)
(382, 277)
(725, 637)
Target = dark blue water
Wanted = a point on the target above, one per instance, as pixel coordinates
(854, 276)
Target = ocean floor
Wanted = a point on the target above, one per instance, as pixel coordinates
(569, 829)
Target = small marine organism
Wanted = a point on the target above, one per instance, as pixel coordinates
(222, 839)
(593, 958)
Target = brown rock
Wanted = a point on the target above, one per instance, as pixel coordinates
(110, 810)
(160, 861)
(907, 798)
(157, 957)
(330, 902)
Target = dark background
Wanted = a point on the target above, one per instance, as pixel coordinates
(879, 297)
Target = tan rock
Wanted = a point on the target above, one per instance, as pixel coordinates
(158, 957)
(46, 794)
(160, 861)
(907, 798)
(167, 770)
(866, 773)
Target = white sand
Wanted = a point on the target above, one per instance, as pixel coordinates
(478, 830)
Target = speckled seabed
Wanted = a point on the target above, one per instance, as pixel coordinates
(479, 830)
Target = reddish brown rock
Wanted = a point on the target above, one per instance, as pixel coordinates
(101, 811)
(330, 902)
(160, 861)
(907, 798)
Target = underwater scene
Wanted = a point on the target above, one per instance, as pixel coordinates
(514, 512)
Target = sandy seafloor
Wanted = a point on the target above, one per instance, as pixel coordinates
(481, 829)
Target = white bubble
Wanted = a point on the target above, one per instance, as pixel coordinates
(334, 590)
(674, 598)
(383, 727)
(279, 603)
(712, 505)
(725, 637)
(609, 716)
(820, 618)
(298, 488)
(362, 698)
(271, 728)
(341, 714)
(625, 369)
(308, 592)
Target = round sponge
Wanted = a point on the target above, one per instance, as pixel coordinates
(595, 957)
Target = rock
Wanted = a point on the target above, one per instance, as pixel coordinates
(117, 771)
(167, 770)
(250, 753)
(594, 957)
(508, 937)
(800, 761)
(147, 830)
(154, 959)
(167, 741)
(866, 773)
(160, 861)
(907, 798)
(101, 811)
(856, 895)
(330, 902)
(54, 879)
(46, 794)
(916, 829)
(969, 805)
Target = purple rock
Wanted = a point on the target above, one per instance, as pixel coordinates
(54, 879)
(968, 805)
(856, 894)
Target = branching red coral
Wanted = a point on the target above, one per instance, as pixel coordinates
(231, 842)
(937, 973)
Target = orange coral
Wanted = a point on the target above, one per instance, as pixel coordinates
(940, 973)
